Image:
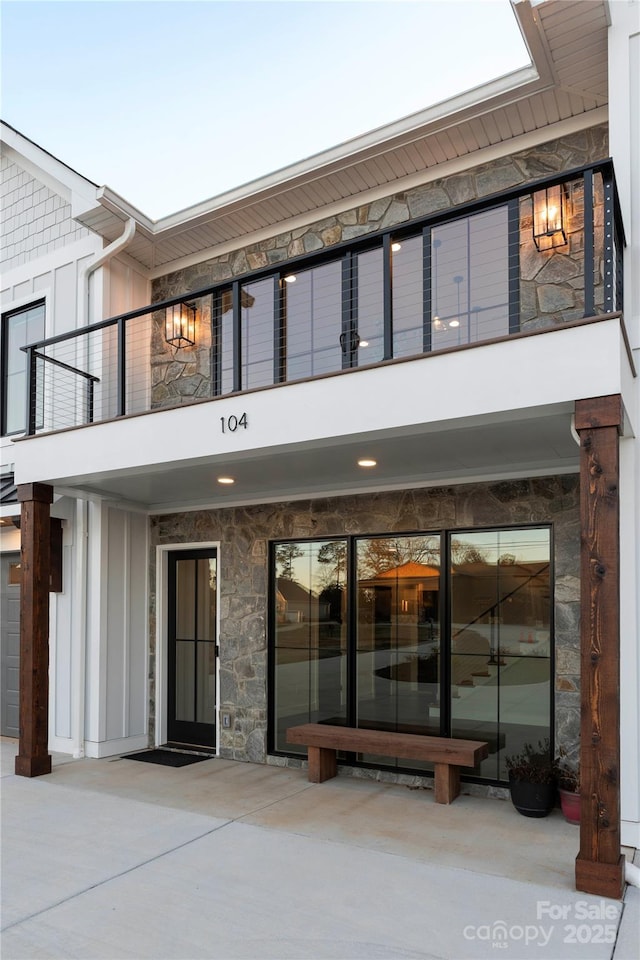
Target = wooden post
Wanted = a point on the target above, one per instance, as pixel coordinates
(33, 758)
(600, 864)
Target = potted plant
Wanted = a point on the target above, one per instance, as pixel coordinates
(568, 780)
(532, 781)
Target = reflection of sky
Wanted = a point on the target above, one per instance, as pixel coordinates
(526, 546)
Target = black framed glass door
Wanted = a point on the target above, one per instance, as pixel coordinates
(192, 647)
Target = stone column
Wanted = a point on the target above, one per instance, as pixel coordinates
(33, 758)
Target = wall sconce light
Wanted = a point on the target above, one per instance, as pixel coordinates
(548, 218)
(180, 325)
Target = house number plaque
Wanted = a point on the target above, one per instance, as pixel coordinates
(231, 424)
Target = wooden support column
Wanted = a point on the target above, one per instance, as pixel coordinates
(600, 864)
(33, 758)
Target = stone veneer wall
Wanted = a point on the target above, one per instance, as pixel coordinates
(550, 282)
(244, 534)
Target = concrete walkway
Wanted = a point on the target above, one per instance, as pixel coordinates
(232, 861)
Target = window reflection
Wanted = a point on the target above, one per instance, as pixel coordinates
(310, 635)
(370, 307)
(398, 635)
(257, 333)
(20, 328)
(501, 640)
(313, 321)
(470, 279)
(407, 300)
(363, 644)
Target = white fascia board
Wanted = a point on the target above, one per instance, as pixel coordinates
(341, 153)
(514, 377)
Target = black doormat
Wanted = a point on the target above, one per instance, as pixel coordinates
(166, 758)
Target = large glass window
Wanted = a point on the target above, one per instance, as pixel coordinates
(417, 634)
(339, 313)
(313, 321)
(398, 635)
(310, 634)
(369, 309)
(19, 328)
(501, 640)
(408, 297)
(470, 279)
(257, 333)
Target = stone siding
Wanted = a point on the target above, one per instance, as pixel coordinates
(244, 534)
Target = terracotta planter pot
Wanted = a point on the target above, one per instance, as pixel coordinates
(532, 799)
(570, 805)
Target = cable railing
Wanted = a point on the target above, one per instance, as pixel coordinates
(483, 271)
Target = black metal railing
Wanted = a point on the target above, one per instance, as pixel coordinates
(466, 275)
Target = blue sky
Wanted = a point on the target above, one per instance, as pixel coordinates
(171, 102)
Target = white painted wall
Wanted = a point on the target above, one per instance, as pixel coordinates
(624, 139)
(516, 377)
(116, 632)
(99, 622)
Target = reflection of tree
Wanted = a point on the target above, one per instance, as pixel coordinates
(462, 552)
(384, 553)
(286, 553)
(333, 555)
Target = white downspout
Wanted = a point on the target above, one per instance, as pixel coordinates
(107, 254)
(80, 605)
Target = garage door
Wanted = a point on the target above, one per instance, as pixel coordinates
(10, 643)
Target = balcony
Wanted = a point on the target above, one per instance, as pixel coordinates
(485, 273)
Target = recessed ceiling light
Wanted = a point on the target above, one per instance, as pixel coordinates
(291, 278)
(454, 323)
(226, 480)
(363, 343)
(367, 463)
(396, 246)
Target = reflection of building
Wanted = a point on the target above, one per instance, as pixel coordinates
(518, 595)
(410, 589)
(395, 298)
(294, 604)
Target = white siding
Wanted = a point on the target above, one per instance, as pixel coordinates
(35, 219)
(117, 633)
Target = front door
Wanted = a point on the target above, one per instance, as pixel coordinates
(192, 647)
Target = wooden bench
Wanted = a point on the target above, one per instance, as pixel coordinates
(447, 755)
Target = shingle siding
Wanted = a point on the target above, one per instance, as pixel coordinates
(35, 220)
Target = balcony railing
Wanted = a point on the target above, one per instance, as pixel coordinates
(473, 274)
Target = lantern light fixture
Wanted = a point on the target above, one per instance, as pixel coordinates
(180, 324)
(548, 218)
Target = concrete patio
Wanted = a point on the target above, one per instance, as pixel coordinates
(115, 858)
